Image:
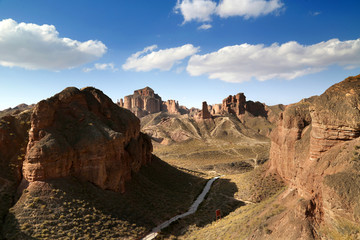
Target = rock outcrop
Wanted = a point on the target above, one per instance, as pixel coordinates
(170, 106)
(314, 149)
(142, 102)
(204, 113)
(145, 101)
(82, 133)
(238, 105)
(215, 109)
(13, 139)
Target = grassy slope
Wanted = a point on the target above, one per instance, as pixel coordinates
(197, 154)
(69, 208)
(239, 219)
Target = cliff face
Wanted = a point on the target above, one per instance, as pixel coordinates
(170, 106)
(83, 133)
(144, 102)
(238, 105)
(13, 139)
(314, 149)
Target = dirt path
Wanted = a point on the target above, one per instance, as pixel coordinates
(191, 210)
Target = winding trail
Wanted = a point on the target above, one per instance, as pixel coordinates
(155, 231)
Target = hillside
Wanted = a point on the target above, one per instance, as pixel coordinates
(77, 166)
(315, 151)
(205, 145)
(66, 208)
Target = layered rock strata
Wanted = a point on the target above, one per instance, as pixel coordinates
(82, 133)
(145, 101)
(170, 106)
(238, 105)
(142, 102)
(314, 143)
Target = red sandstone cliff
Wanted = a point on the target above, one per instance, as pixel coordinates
(315, 150)
(82, 133)
(145, 101)
(238, 105)
(142, 102)
(170, 106)
(204, 113)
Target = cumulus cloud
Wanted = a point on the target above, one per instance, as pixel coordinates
(202, 10)
(102, 67)
(164, 59)
(33, 46)
(205, 27)
(198, 10)
(247, 8)
(243, 62)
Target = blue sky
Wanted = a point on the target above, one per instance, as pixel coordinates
(275, 51)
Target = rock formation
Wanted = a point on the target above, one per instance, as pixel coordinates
(204, 113)
(234, 104)
(145, 101)
(82, 133)
(142, 102)
(170, 106)
(314, 149)
(215, 109)
(238, 105)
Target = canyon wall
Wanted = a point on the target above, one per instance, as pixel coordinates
(315, 150)
(82, 133)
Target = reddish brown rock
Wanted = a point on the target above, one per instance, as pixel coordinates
(82, 133)
(314, 147)
(170, 106)
(238, 105)
(234, 104)
(216, 109)
(13, 139)
(142, 102)
(145, 101)
(204, 113)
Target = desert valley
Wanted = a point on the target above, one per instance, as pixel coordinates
(78, 166)
(179, 119)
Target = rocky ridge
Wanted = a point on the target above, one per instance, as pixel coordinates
(145, 101)
(82, 133)
(314, 149)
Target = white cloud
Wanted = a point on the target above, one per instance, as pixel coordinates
(102, 67)
(202, 10)
(199, 10)
(33, 46)
(205, 27)
(243, 62)
(164, 59)
(247, 8)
